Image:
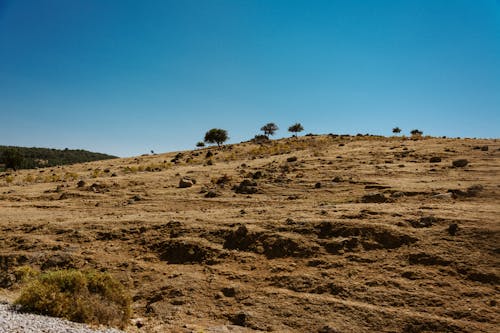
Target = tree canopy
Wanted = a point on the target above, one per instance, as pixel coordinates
(216, 135)
(269, 128)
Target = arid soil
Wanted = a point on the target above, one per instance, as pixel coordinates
(311, 234)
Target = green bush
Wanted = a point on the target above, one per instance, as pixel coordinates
(81, 296)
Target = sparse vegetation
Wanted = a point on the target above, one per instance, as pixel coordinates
(80, 296)
(216, 135)
(200, 144)
(396, 130)
(295, 128)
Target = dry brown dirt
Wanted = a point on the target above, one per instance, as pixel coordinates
(325, 234)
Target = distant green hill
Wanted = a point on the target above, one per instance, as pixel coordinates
(28, 158)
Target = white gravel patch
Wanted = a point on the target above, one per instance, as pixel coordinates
(12, 321)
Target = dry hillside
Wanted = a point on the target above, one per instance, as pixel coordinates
(310, 234)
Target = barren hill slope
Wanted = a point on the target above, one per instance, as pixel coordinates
(311, 234)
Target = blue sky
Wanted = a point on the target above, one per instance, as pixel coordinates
(126, 77)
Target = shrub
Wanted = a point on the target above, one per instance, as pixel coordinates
(216, 135)
(416, 133)
(396, 130)
(260, 138)
(200, 144)
(80, 296)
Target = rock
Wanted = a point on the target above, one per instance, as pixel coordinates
(460, 163)
(397, 194)
(374, 198)
(448, 195)
(452, 229)
(435, 159)
(474, 190)
(246, 187)
(424, 222)
(337, 179)
(229, 291)
(136, 197)
(317, 185)
(211, 194)
(328, 329)
(81, 183)
(240, 319)
(484, 148)
(292, 159)
(186, 182)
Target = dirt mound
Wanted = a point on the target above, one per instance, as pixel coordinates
(272, 245)
(185, 251)
(370, 237)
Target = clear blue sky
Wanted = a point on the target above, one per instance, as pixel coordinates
(124, 77)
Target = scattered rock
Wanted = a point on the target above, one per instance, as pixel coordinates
(186, 182)
(374, 198)
(474, 190)
(246, 187)
(136, 197)
(397, 194)
(240, 319)
(229, 291)
(452, 229)
(460, 163)
(435, 159)
(424, 222)
(448, 195)
(211, 194)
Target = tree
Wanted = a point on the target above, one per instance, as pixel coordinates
(416, 132)
(216, 135)
(200, 144)
(12, 158)
(295, 128)
(396, 130)
(269, 128)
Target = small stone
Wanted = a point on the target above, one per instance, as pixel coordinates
(452, 229)
(81, 183)
(186, 182)
(292, 159)
(240, 319)
(337, 179)
(460, 163)
(229, 291)
(317, 185)
(435, 159)
(211, 194)
(374, 198)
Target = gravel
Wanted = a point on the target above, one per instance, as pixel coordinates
(12, 321)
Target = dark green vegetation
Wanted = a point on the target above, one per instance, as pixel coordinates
(216, 135)
(81, 296)
(28, 158)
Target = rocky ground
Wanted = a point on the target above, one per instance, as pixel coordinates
(313, 234)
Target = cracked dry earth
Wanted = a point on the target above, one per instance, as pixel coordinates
(313, 234)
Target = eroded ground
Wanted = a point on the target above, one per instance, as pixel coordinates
(315, 234)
